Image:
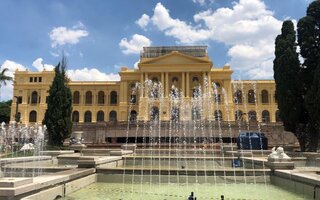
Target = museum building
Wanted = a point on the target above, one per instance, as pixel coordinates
(186, 69)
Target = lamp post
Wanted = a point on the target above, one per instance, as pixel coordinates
(17, 115)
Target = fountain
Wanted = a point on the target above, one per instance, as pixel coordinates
(187, 152)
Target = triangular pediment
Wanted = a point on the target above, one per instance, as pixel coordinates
(175, 58)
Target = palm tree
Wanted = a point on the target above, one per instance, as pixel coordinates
(4, 78)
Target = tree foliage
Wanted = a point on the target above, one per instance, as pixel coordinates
(298, 85)
(5, 109)
(287, 77)
(309, 42)
(58, 114)
(3, 77)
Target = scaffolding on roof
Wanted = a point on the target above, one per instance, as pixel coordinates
(153, 52)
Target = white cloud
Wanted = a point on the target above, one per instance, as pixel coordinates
(201, 2)
(84, 74)
(63, 35)
(134, 46)
(79, 25)
(92, 74)
(54, 54)
(135, 66)
(262, 71)
(248, 28)
(6, 92)
(40, 66)
(176, 28)
(143, 21)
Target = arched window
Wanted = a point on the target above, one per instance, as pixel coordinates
(154, 113)
(87, 116)
(278, 118)
(174, 79)
(100, 116)
(275, 97)
(264, 96)
(175, 114)
(217, 85)
(133, 86)
(252, 115)
(76, 97)
(155, 88)
(237, 97)
(196, 93)
(75, 116)
(195, 80)
(88, 97)
(265, 116)
(133, 99)
(196, 113)
(113, 98)
(101, 97)
(155, 80)
(113, 116)
(251, 96)
(218, 115)
(217, 98)
(238, 115)
(33, 116)
(18, 117)
(133, 116)
(34, 97)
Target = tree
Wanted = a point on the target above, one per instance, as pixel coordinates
(288, 87)
(4, 78)
(298, 86)
(58, 114)
(5, 109)
(309, 42)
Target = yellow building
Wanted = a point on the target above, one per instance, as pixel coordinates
(187, 68)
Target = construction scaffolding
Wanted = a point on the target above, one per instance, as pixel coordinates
(153, 52)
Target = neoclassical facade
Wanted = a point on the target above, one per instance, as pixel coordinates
(186, 69)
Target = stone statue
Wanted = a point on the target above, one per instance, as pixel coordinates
(278, 155)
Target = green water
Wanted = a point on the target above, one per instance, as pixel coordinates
(175, 191)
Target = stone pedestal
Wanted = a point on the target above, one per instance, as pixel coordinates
(77, 147)
(278, 159)
(77, 135)
(131, 147)
(280, 164)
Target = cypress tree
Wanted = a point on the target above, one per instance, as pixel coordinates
(288, 87)
(58, 114)
(309, 42)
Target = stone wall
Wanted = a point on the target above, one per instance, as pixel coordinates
(98, 133)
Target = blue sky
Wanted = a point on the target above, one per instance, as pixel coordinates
(99, 37)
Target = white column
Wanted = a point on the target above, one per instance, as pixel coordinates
(141, 84)
(167, 85)
(188, 85)
(183, 84)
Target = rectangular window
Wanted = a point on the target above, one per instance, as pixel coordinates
(31, 79)
(19, 99)
(35, 79)
(40, 79)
